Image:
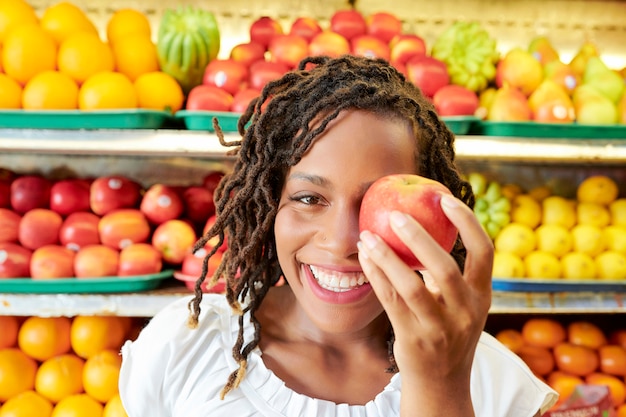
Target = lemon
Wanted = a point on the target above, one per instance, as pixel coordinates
(578, 265)
(559, 210)
(618, 211)
(615, 238)
(598, 189)
(10, 93)
(526, 210)
(588, 239)
(611, 265)
(540, 264)
(593, 213)
(508, 265)
(516, 238)
(554, 238)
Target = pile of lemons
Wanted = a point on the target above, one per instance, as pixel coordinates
(59, 61)
(554, 237)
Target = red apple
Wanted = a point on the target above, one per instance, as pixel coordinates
(14, 260)
(242, 99)
(247, 53)
(29, 192)
(69, 196)
(404, 47)
(383, 25)
(52, 261)
(9, 225)
(123, 227)
(288, 49)
(305, 27)
(79, 229)
(348, 23)
(263, 30)
(161, 203)
(262, 72)
(427, 73)
(329, 43)
(455, 100)
(209, 97)
(5, 194)
(192, 267)
(39, 227)
(199, 204)
(109, 193)
(139, 259)
(227, 74)
(95, 261)
(412, 194)
(369, 46)
(174, 239)
(212, 179)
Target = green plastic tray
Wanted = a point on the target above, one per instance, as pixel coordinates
(549, 130)
(460, 125)
(557, 285)
(203, 119)
(84, 285)
(77, 119)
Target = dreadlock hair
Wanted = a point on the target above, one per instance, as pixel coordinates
(277, 129)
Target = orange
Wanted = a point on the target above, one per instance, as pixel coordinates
(14, 13)
(543, 332)
(114, 407)
(27, 51)
(101, 374)
(78, 405)
(621, 411)
(27, 404)
(585, 333)
(10, 93)
(107, 90)
(598, 189)
(83, 54)
(50, 90)
(511, 338)
(617, 387)
(160, 91)
(127, 22)
(44, 337)
(17, 373)
(575, 359)
(563, 383)
(612, 359)
(93, 334)
(64, 19)
(136, 55)
(60, 376)
(539, 359)
(10, 326)
(618, 337)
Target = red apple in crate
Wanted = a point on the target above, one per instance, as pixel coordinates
(242, 99)
(305, 27)
(348, 23)
(199, 204)
(52, 261)
(369, 46)
(80, 229)
(264, 29)
(288, 49)
(191, 270)
(14, 260)
(39, 227)
(123, 227)
(227, 74)
(383, 25)
(262, 72)
(329, 43)
(214, 240)
(404, 47)
(5, 194)
(161, 203)
(412, 194)
(209, 97)
(174, 239)
(455, 100)
(109, 193)
(212, 180)
(139, 259)
(428, 73)
(247, 53)
(69, 196)
(9, 225)
(95, 261)
(29, 192)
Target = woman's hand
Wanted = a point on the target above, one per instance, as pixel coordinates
(437, 322)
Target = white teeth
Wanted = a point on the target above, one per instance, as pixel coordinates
(338, 281)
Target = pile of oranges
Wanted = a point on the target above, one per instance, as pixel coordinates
(568, 355)
(62, 366)
(58, 61)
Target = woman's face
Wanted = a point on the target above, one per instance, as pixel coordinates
(317, 224)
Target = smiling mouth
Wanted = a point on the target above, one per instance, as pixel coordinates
(337, 281)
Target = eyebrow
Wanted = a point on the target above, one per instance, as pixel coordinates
(321, 181)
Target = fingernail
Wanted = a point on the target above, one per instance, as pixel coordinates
(449, 201)
(397, 219)
(362, 253)
(368, 239)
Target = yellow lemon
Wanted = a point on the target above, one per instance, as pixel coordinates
(27, 404)
(615, 238)
(27, 51)
(10, 93)
(14, 13)
(107, 90)
(554, 238)
(82, 55)
(127, 22)
(593, 213)
(160, 91)
(598, 189)
(508, 265)
(540, 192)
(588, 239)
(578, 265)
(540, 264)
(78, 405)
(618, 211)
(526, 210)
(516, 238)
(64, 19)
(611, 265)
(114, 407)
(50, 90)
(559, 210)
(135, 56)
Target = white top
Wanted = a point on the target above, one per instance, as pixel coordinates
(174, 371)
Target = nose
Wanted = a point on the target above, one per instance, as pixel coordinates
(340, 232)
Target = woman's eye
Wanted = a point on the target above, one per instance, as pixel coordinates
(308, 200)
